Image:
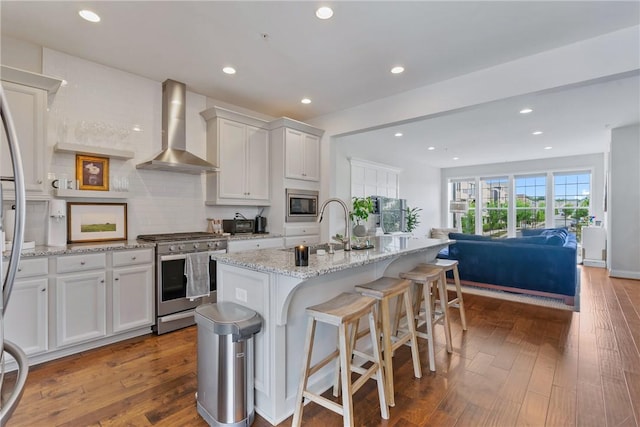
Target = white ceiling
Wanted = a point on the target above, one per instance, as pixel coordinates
(283, 52)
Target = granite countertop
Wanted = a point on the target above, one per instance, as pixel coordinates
(81, 248)
(281, 261)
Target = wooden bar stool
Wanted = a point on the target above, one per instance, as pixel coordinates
(429, 281)
(457, 302)
(384, 290)
(343, 311)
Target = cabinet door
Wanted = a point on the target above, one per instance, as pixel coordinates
(311, 157)
(80, 307)
(27, 106)
(294, 154)
(257, 163)
(233, 158)
(26, 319)
(132, 297)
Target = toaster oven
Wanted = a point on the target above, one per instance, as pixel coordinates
(237, 226)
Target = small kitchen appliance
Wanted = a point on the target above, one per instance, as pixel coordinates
(57, 223)
(302, 205)
(260, 223)
(237, 225)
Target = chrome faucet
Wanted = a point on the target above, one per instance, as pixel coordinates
(347, 241)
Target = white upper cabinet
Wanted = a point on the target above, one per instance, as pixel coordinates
(28, 106)
(26, 94)
(302, 155)
(239, 146)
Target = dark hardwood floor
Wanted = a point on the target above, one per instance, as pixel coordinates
(517, 365)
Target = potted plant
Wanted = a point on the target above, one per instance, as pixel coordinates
(412, 217)
(362, 208)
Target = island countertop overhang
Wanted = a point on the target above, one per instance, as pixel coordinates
(281, 261)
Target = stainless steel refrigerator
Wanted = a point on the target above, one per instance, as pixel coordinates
(10, 402)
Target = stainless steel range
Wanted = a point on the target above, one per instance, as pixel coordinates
(173, 309)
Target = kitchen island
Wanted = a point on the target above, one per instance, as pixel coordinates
(268, 282)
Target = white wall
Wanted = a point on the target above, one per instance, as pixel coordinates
(624, 203)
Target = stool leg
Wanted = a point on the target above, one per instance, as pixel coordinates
(444, 303)
(456, 279)
(345, 373)
(387, 351)
(352, 330)
(415, 355)
(428, 314)
(375, 346)
(304, 377)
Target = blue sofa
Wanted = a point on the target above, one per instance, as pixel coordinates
(541, 262)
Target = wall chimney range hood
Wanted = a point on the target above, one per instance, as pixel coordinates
(174, 157)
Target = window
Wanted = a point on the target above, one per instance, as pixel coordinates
(571, 200)
(530, 201)
(495, 206)
(465, 191)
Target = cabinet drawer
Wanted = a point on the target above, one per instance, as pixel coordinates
(301, 240)
(142, 256)
(32, 267)
(302, 230)
(251, 244)
(67, 264)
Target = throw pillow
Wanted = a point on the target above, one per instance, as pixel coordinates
(442, 233)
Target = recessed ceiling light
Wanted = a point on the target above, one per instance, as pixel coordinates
(431, 148)
(456, 158)
(548, 148)
(229, 70)
(305, 101)
(136, 128)
(526, 111)
(398, 134)
(89, 15)
(397, 70)
(324, 12)
(538, 132)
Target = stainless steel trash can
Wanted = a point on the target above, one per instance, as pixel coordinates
(225, 363)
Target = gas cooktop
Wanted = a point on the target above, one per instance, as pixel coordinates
(175, 237)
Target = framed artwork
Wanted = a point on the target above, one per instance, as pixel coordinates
(96, 222)
(92, 173)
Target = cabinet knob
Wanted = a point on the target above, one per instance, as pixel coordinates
(102, 281)
(39, 181)
(116, 278)
(19, 269)
(133, 258)
(43, 290)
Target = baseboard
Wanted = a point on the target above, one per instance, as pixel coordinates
(623, 274)
(594, 263)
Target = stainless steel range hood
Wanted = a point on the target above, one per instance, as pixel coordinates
(174, 157)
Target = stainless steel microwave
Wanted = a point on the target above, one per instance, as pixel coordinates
(302, 205)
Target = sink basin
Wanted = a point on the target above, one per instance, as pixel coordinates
(314, 248)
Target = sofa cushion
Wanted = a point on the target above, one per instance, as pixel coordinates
(530, 240)
(442, 233)
(462, 236)
(526, 232)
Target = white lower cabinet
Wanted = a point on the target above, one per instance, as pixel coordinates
(80, 307)
(132, 297)
(26, 319)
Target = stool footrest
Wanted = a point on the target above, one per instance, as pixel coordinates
(323, 401)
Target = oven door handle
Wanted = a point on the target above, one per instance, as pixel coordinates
(172, 257)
